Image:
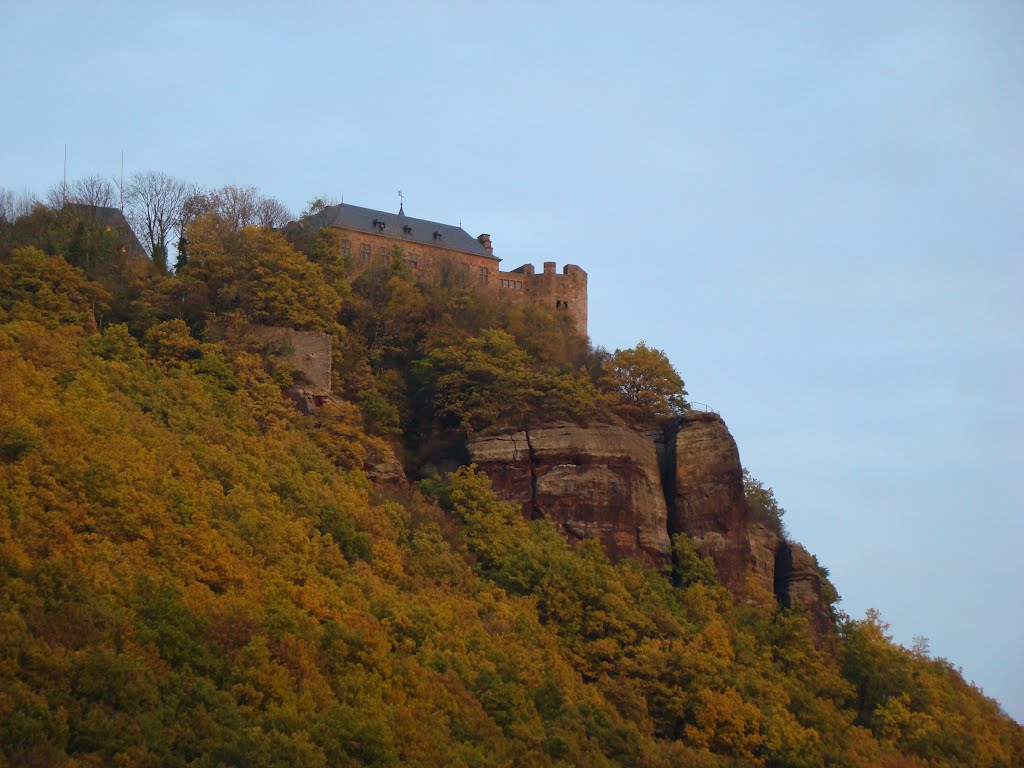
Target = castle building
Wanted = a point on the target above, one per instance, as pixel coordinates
(430, 249)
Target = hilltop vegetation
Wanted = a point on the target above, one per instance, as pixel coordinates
(194, 573)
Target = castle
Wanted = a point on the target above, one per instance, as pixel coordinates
(430, 249)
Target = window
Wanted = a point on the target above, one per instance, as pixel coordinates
(346, 248)
(364, 254)
(379, 225)
(483, 275)
(412, 260)
(384, 255)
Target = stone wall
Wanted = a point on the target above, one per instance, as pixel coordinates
(561, 293)
(564, 293)
(307, 352)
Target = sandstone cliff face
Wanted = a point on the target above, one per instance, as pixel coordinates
(704, 487)
(600, 481)
(799, 584)
(764, 549)
(632, 492)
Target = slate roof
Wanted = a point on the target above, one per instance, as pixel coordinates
(420, 231)
(107, 217)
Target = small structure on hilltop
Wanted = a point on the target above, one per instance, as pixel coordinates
(429, 248)
(112, 220)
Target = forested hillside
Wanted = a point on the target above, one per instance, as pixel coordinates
(193, 572)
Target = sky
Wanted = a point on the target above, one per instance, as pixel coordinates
(816, 209)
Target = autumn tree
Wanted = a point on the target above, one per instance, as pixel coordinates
(47, 289)
(481, 381)
(256, 273)
(647, 386)
(237, 207)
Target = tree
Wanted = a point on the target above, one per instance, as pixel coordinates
(484, 380)
(155, 209)
(647, 385)
(47, 289)
(93, 190)
(762, 505)
(14, 205)
(237, 207)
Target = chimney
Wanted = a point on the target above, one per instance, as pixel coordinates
(485, 241)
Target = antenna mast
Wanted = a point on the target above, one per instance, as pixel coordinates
(64, 186)
(120, 189)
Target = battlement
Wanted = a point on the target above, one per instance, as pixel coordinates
(561, 293)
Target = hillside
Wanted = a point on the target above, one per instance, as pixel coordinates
(195, 572)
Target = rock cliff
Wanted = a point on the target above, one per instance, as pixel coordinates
(599, 481)
(632, 491)
(704, 490)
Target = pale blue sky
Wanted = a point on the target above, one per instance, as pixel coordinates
(814, 208)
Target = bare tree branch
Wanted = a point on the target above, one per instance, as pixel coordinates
(14, 205)
(155, 205)
(93, 190)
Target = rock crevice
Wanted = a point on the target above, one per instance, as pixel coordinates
(599, 481)
(633, 491)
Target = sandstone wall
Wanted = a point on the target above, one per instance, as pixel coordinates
(564, 293)
(597, 482)
(308, 352)
(632, 491)
(706, 499)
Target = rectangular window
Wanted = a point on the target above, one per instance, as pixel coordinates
(385, 256)
(412, 260)
(364, 254)
(346, 248)
(483, 275)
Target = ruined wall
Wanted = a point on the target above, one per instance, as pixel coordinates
(308, 352)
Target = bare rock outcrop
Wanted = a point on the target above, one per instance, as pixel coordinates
(599, 481)
(800, 585)
(704, 488)
(764, 549)
(631, 493)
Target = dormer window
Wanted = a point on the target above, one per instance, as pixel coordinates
(407, 229)
(379, 225)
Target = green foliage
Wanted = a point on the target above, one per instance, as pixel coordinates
(488, 379)
(647, 387)
(762, 505)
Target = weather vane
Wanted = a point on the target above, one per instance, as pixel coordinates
(401, 200)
